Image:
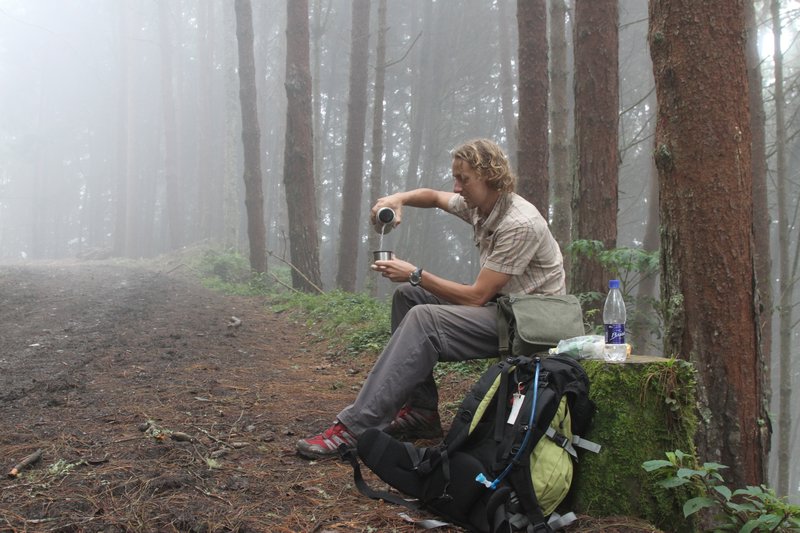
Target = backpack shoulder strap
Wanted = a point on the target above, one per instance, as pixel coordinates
(476, 403)
(349, 455)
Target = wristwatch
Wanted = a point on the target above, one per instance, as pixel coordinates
(415, 278)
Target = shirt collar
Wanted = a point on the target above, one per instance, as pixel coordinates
(487, 226)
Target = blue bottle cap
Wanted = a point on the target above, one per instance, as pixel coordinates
(613, 284)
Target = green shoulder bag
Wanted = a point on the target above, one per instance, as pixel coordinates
(532, 323)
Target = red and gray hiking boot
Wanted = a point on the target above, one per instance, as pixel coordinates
(327, 443)
(412, 423)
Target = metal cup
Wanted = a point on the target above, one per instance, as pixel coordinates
(382, 255)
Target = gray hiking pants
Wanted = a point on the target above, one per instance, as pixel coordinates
(425, 330)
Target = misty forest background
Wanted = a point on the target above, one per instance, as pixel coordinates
(669, 128)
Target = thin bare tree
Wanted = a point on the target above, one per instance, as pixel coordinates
(349, 229)
(298, 159)
(251, 137)
(595, 198)
(785, 274)
(174, 208)
(559, 124)
(376, 160)
(532, 146)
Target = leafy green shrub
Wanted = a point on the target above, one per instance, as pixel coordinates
(360, 320)
(743, 510)
(226, 266)
(631, 266)
(229, 271)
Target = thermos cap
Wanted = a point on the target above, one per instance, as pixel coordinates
(385, 215)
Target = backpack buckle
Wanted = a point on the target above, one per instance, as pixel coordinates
(561, 440)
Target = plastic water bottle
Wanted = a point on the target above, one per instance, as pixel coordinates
(614, 322)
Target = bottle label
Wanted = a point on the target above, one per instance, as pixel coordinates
(615, 333)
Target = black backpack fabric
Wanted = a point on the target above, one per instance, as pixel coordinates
(487, 474)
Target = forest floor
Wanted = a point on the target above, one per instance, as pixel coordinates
(152, 414)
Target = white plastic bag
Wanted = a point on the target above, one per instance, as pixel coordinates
(583, 347)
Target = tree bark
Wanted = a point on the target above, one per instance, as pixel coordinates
(761, 216)
(207, 199)
(559, 120)
(507, 81)
(350, 231)
(174, 208)
(123, 104)
(376, 161)
(251, 137)
(784, 271)
(594, 207)
(702, 153)
(533, 150)
(232, 187)
(298, 160)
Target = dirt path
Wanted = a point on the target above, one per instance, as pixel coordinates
(153, 415)
(90, 354)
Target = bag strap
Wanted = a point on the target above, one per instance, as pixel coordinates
(459, 428)
(504, 317)
(349, 455)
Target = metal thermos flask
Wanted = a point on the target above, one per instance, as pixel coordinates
(384, 219)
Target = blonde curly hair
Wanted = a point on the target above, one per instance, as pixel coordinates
(490, 163)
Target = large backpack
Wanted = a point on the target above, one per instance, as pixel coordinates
(504, 465)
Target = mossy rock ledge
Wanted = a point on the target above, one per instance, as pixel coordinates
(645, 407)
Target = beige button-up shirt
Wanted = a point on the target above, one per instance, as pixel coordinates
(515, 239)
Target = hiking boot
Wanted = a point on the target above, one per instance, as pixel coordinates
(412, 423)
(326, 444)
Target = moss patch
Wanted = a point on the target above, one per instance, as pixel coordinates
(644, 408)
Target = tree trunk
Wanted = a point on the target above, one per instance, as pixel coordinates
(594, 207)
(702, 152)
(174, 207)
(376, 164)
(784, 271)
(207, 201)
(298, 159)
(761, 216)
(251, 137)
(232, 187)
(318, 29)
(123, 104)
(559, 124)
(350, 230)
(507, 82)
(642, 337)
(532, 150)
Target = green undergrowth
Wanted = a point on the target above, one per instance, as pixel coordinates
(229, 272)
(356, 322)
(754, 508)
(360, 321)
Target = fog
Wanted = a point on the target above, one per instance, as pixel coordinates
(89, 88)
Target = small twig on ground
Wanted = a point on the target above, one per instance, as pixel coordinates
(211, 495)
(210, 436)
(181, 437)
(29, 460)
